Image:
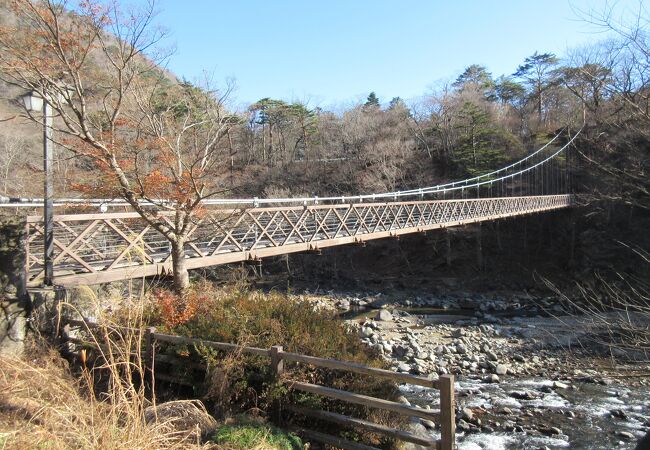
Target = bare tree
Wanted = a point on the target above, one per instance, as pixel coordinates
(12, 156)
(148, 137)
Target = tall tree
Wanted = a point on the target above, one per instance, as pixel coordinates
(509, 91)
(537, 71)
(147, 137)
(476, 77)
(588, 82)
(372, 101)
(482, 143)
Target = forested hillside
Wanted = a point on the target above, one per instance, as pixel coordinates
(276, 147)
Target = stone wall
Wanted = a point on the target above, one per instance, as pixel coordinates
(13, 295)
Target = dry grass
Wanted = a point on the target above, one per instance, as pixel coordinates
(43, 406)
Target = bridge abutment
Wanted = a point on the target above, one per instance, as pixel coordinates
(35, 309)
(13, 294)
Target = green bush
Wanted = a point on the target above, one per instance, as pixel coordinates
(237, 382)
(250, 436)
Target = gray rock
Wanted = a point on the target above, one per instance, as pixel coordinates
(467, 414)
(367, 332)
(399, 350)
(491, 379)
(501, 369)
(618, 413)
(428, 424)
(523, 395)
(403, 400)
(559, 385)
(462, 425)
(625, 435)
(384, 315)
(404, 367)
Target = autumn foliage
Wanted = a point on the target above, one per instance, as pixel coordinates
(141, 135)
(174, 309)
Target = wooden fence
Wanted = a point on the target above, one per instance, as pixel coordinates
(278, 359)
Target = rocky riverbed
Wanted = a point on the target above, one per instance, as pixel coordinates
(526, 375)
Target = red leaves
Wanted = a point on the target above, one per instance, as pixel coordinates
(175, 310)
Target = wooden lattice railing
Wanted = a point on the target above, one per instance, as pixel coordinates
(94, 248)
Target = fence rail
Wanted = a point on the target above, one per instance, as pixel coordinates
(445, 416)
(96, 248)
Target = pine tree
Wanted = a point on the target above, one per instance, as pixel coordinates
(509, 91)
(481, 146)
(537, 71)
(476, 77)
(372, 101)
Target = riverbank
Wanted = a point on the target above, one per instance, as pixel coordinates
(527, 376)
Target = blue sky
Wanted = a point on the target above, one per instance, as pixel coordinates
(334, 52)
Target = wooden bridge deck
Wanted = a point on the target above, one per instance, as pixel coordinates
(96, 248)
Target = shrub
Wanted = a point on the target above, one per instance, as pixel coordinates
(236, 382)
(251, 435)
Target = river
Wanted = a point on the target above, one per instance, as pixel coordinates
(551, 392)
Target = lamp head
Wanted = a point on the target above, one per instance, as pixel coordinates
(33, 101)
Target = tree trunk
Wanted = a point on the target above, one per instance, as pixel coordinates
(181, 276)
(448, 248)
(479, 248)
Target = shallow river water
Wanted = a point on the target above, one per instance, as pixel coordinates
(591, 428)
(580, 415)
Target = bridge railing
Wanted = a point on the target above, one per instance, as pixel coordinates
(95, 248)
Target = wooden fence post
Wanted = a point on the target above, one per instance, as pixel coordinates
(149, 342)
(447, 413)
(277, 368)
(277, 360)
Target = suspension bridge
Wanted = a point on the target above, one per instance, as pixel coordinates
(111, 246)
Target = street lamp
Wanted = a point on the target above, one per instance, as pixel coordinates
(36, 103)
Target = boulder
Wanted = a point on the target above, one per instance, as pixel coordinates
(523, 395)
(384, 315)
(366, 331)
(625, 435)
(186, 417)
(491, 379)
(467, 414)
(404, 367)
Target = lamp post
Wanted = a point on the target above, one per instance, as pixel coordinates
(34, 102)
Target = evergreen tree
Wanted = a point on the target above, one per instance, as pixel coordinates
(398, 107)
(476, 77)
(372, 101)
(482, 144)
(509, 91)
(537, 71)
